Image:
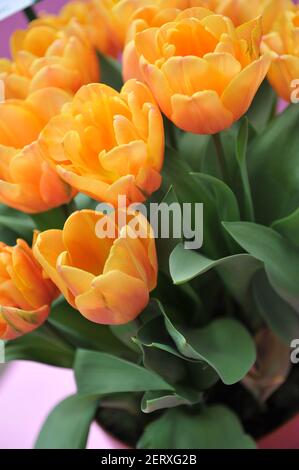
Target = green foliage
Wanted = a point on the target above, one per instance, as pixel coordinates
(215, 427)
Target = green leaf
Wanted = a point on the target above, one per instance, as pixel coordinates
(279, 315)
(280, 257)
(215, 427)
(165, 246)
(110, 71)
(218, 199)
(83, 333)
(224, 344)
(241, 153)
(55, 218)
(100, 373)
(193, 148)
(67, 426)
(185, 265)
(153, 401)
(42, 345)
(154, 336)
(263, 107)
(289, 227)
(273, 161)
(22, 226)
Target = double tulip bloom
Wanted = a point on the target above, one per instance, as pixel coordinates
(203, 72)
(47, 55)
(241, 11)
(106, 273)
(25, 295)
(27, 182)
(107, 144)
(283, 43)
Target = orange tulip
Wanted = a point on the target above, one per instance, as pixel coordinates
(47, 55)
(283, 43)
(107, 278)
(106, 143)
(115, 16)
(241, 11)
(154, 14)
(27, 182)
(25, 295)
(86, 13)
(203, 72)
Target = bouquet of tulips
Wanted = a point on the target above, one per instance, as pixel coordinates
(149, 189)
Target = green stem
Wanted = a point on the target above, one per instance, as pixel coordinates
(30, 14)
(221, 156)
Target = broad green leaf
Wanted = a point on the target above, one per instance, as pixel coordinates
(22, 226)
(216, 427)
(42, 345)
(263, 107)
(218, 200)
(280, 257)
(241, 154)
(100, 373)
(83, 333)
(289, 227)
(67, 426)
(224, 344)
(193, 149)
(185, 265)
(125, 333)
(273, 161)
(154, 336)
(110, 71)
(153, 401)
(279, 315)
(165, 364)
(165, 246)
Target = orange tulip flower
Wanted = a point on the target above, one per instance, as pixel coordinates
(241, 11)
(27, 182)
(86, 13)
(203, 72)
(283, 43)
(25, 295)
(47, 55)
(106, 276)
(106, 143)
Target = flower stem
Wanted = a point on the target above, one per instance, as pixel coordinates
(221, 157)
(30, 14)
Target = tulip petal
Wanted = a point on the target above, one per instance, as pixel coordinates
(239, 94)
(202, 113)
(115, 298)
(15, 322)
